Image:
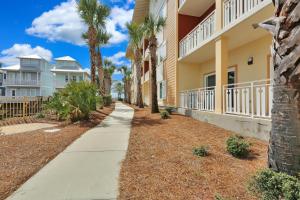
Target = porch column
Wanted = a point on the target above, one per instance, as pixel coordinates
(221, 71)
(219, 15)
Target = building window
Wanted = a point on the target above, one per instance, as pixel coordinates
(74, 78)
(4, 76)
(67, 78)
(162, 90)
(80, 78)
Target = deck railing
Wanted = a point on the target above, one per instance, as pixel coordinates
(234, 9)
(202, 99)
(21, 82)
(253, 99)
(201, 32)
(11, 107)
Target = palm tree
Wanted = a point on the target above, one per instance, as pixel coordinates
(136, 35)
(151, 27)
(119, 88)
(284, 146)
(109, 69)
(94, 15)
(102, 39)
(127, 83)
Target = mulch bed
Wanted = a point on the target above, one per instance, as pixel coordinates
(22, 155)
(160, 163)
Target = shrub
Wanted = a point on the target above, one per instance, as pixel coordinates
(107, 100)
(270, 185)
(40, 115)
(219, 197)
(237, 146)
(74, 102)
(169, 109)
(201, 151)
(164, 114)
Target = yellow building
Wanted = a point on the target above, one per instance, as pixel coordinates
(217, 67)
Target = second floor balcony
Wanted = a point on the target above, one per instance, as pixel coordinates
(21, 82)
(203, 31)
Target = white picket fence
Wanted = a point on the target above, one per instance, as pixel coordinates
(201, 32)
(202, 99)
(253, 99)
(234, 9)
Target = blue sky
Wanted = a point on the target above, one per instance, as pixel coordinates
(52, 28)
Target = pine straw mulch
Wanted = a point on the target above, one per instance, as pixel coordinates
(160, 163)
(22, 155)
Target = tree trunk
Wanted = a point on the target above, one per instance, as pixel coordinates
(129, 91)
(92, 50)
(284, 146)
(100, 73)
(153, 82)
(138, 63)
(107, 83)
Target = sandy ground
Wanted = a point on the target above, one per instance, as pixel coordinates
(21, 128)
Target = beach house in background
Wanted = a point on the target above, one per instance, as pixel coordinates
(35, 76)
(217, 67)
(67, 69)
(32, 76)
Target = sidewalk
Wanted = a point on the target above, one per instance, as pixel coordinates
(89, 168)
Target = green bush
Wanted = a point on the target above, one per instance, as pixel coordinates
(270, 185)
(40, 115)
(164, 114)
(74, 102)
(238, 147)
(107, 100)
(169, 109)
(201, 151)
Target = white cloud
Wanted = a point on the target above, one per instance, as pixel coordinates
(9, 56)
(63, 23)
(118, 58)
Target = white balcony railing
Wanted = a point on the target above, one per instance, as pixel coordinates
(147, 75)
(201, 32)
(202, 99)
(21, 82)
(253, 99)
(234, 9)
(181, 2)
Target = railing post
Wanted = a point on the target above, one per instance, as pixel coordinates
(252, 99)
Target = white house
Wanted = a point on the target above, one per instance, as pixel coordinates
(2, 89)
(31, 77)
(67, 69)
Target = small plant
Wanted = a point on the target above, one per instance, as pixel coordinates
(40, 115)
(169, 109)
(201, 151)
(107, 100)
(270, 185)
(164, 114)
(237, 146)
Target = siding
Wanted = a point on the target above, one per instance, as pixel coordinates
(171, 60)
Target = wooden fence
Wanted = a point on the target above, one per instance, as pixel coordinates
(11, 107)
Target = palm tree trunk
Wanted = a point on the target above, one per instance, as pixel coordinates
(100, 72)
(138, 63)
(92, 50)
(153, 49)
(284, 146)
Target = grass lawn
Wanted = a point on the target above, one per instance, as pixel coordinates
(160, 163)
(23, 154)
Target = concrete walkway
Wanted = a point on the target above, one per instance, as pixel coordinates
(21, 128)
(89, 168)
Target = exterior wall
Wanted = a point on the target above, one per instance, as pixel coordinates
(21, 91)
(46, 78)
(250, 127)
(170, 64)
(60, 78)
(146, 93)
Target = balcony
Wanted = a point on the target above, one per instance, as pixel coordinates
(14, 82)
(236, 9)
(194, 7)
(202, 99)
(252, 99)
(249, 99)
(202, 32)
